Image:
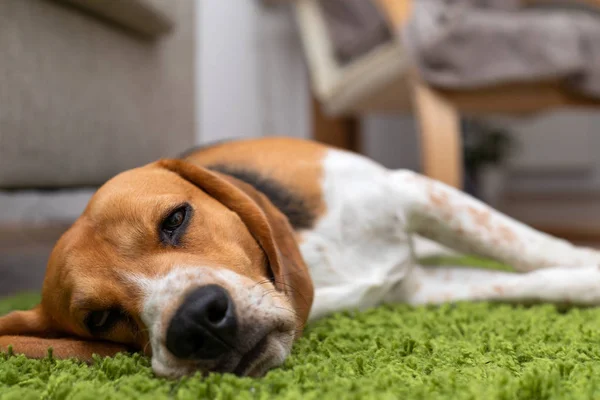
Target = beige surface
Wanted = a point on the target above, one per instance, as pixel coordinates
(397, 12)
(82, 99)
(441, 146)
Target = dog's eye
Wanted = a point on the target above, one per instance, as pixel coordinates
(173, 226)
(174, 220)
(99, 321)
(99, 318)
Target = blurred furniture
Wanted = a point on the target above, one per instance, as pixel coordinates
(383, 80)
(90, 88)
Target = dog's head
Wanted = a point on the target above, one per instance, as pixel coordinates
(195, 268)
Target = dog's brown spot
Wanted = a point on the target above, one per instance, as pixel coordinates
(507, 234)
(440, 202)
(481, 217)
(498, 289)
(439, 199)
(496, 242)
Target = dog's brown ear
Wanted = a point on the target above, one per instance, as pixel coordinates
(30, 333)
(265, 222)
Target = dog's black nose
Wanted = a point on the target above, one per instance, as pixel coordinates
(204, 326)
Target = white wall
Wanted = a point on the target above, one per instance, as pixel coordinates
(227, 68)
(252, 80)
(556, 152)
(391, 140)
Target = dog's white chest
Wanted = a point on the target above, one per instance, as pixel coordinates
(359, 249)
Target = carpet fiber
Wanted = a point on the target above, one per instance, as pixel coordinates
(464, 351)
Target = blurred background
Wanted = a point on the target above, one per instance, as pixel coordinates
(496, 97)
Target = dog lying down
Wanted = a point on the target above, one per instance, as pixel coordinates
(216, 261)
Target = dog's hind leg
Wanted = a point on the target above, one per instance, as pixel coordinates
(437, 285)
(458, 221)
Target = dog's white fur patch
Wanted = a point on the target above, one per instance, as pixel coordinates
(361, 253)
(360, 249)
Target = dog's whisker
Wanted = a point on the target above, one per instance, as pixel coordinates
(146, 347)
(294, 290)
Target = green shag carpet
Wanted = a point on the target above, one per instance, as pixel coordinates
(464, 351)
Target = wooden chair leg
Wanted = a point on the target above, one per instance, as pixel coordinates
(439, 129)
(341, 132)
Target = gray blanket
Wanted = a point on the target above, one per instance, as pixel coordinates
(355, 27)
(477, 43)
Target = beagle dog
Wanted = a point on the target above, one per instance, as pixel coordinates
(215, 262)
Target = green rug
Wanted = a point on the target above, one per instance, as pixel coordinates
(465, 351)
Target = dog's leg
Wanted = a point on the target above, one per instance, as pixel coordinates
(457, 220)
(437, 285)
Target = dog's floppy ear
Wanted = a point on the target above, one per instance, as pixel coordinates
(265, 222)
(30, 333)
